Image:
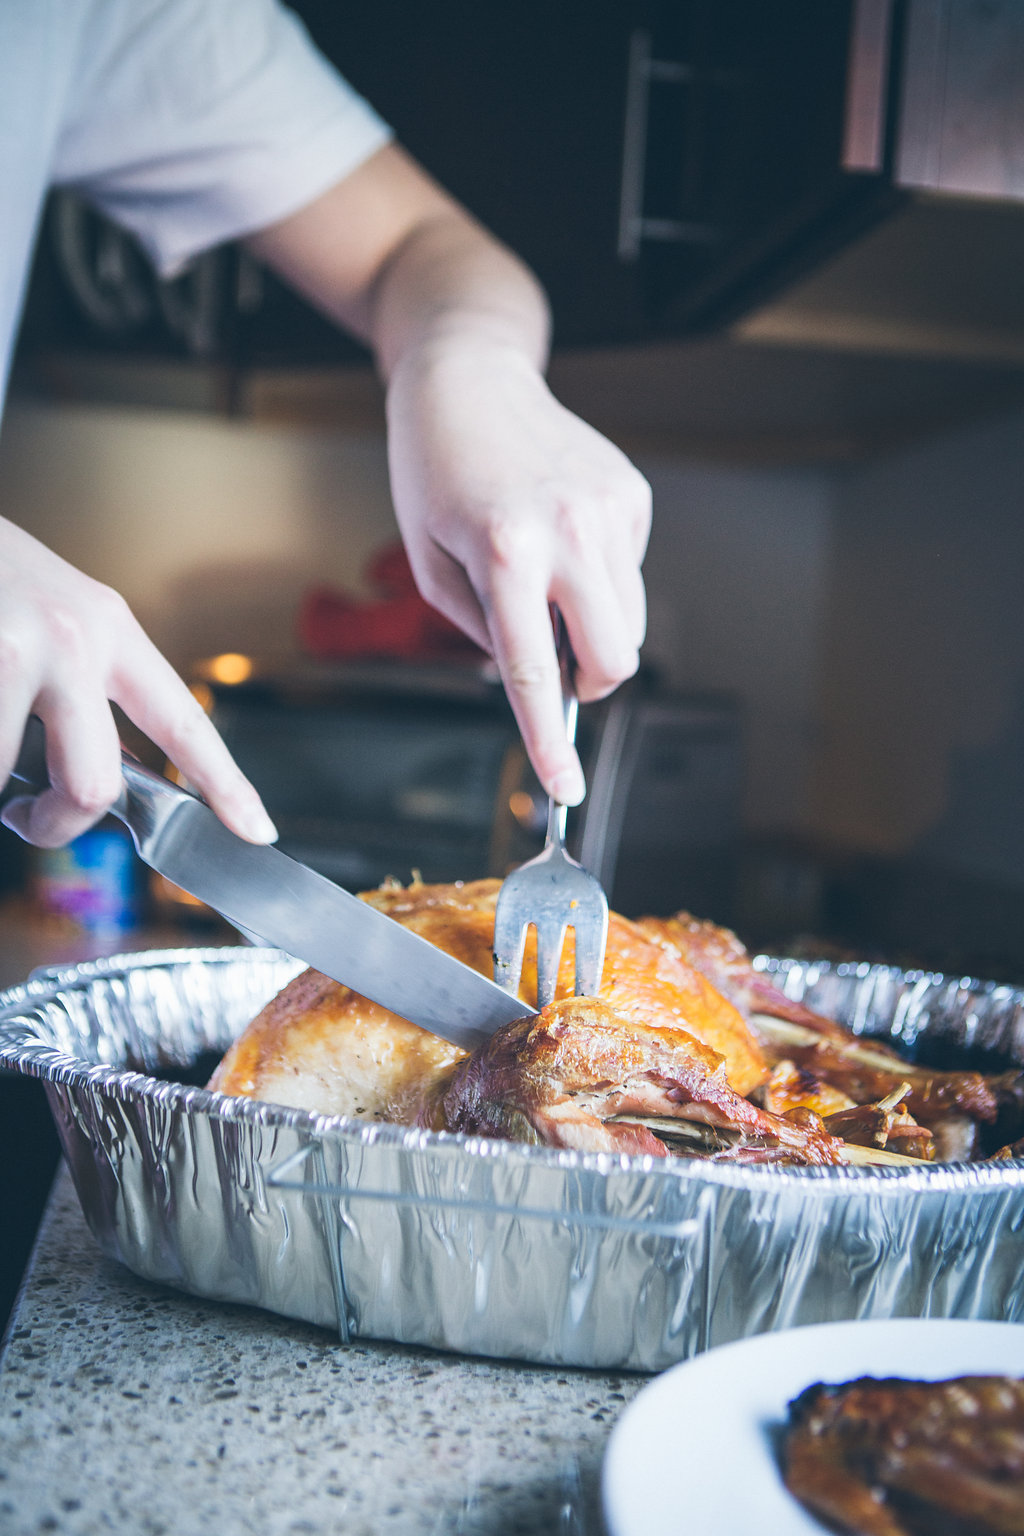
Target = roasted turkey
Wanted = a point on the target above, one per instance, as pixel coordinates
(864, 1071)
(687, 1049)
(910, 1458)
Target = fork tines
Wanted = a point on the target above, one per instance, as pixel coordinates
(551, 893)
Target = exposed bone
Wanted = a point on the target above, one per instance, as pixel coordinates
(710, 1140)
(785, 1033)
(865, 1156)
(897, 1095)
(693, 1139)
(869, 1125)
(696, 1133)
(782, 1032)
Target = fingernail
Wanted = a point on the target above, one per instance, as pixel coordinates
(569, 786)
(259, 828)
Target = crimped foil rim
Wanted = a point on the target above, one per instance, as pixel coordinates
(49, 1064)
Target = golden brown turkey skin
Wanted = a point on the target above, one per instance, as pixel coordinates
(559, 1078)
(865, 1070)
(643, 981)
(322, 1047)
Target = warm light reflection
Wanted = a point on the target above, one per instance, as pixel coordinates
(522, 807)
(230, 667)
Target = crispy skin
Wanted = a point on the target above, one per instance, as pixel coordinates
(720, 956)
(643, 981)
(865, 1070)
(884, 1125)
(793, 1087)
(320, 1046)
(559, 1077)
(911, 1458)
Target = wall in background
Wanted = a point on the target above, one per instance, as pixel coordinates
(737, 574)
(211, 529)
(921, 750)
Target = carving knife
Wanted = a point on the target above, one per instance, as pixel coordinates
(264, 892)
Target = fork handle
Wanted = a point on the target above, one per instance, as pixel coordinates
(558, 813)
(567, 671)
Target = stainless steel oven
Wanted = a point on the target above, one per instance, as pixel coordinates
(381, 769)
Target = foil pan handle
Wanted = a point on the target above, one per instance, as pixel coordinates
(290, 1175)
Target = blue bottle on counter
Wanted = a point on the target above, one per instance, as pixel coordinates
(94, 880)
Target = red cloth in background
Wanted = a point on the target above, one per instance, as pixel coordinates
(398, 623)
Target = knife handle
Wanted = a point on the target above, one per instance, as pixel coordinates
(31, 768)
(31, 765)
(146, 799)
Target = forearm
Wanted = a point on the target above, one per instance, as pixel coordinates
(400, 264)
(449, 288)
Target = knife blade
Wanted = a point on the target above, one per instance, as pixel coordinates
(267, 893)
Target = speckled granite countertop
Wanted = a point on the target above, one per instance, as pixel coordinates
(128, 1408)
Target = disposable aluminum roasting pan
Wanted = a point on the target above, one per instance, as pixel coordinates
(484, 1246)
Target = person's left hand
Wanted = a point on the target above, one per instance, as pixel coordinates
(508, 503)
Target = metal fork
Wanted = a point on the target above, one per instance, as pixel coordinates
(552, 892)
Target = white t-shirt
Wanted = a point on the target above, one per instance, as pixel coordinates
(189, 122)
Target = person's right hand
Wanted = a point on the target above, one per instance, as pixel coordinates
(68, 647)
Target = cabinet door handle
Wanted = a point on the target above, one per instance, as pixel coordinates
(868, 85)
(634, 225)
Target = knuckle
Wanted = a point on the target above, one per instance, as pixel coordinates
(68, 625)
(15, 650)
(607, 674)
(528, 676)
(88, 794)
(79, 624)
(642, 499)
(511, 542)
(431, 585)
(93, 798)
(67, 632)
(640, 486)
(629, 663)
(112, 608)
(575, 523)
(631, 500)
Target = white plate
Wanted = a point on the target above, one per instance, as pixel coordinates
(694, 1452)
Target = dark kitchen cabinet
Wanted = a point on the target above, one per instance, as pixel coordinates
(751, 171)
(517, 109)
(658, 162)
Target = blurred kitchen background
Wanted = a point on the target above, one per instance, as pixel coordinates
(785, 250)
